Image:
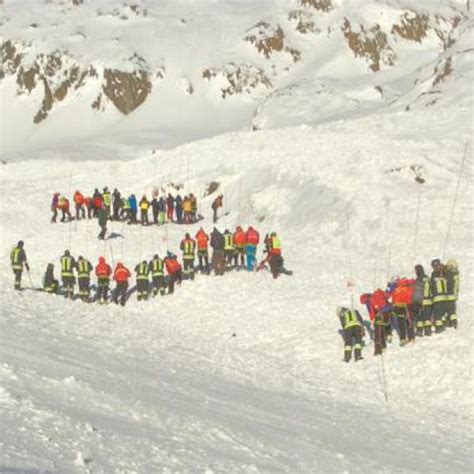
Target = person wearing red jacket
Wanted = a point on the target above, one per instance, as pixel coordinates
(379, 310)
(121, 276)
(79, 204)
(174, 270)
(88, 206)
(252, 240)
(103, 272)
(202, 240)
(401, 292)
(240, 241)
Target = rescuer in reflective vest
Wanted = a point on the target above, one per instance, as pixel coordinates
(50, 284)
(142, 280)
(156, 268)
(352, 325)
(422, 304)
(452, 281)
(229, 248)
(68, 264)
(18, 260)
(84, 269)
(439, 292)
(188, 247)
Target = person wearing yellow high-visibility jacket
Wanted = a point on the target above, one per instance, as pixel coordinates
(422, 305)
(142, 271)
(18, 261)
(68, 264)
(84, 269)
(229, 248)
(439, 292)
(452, 288)
(353, 327)
(188, 247)
(156, 268)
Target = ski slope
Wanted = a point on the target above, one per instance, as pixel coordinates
(164, 386)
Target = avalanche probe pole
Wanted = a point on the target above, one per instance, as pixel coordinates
(448, 234)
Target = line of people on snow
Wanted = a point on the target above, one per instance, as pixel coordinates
(417, 304)
(235, 250)
(178, 209)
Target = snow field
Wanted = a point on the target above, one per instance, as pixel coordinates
(83, 386)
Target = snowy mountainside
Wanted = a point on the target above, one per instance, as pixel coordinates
(135, 70)
(85, 386)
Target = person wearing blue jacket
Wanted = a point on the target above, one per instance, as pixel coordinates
(133, 208)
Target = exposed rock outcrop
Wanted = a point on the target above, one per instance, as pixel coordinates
(304, 21)
(243, 78)
(321, 5)
(370, 44)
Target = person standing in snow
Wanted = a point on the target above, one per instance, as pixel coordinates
(422, 303)
(161, 210)
(187, 208)
(439, 292)
(68, 264)
(102, 220)
(353, 328)
(142, 271)
(452, 290)
(79, 205)
(132, 200)
(229, 248)
(155, 208)
(179, 209)
(50, 284)
(54, 207)
(156, 266)
(116, 204)
(194, 207)
(401, 290)
(18, 261)
(240, 240)
(121, 276)
(188, 247)
(107, 200)
(252, 239)
(84, 269)
(217, 244)
(216, 204)
(144, 205)
(202, 240)
(170, 207)
(103, 272)
(174, 269)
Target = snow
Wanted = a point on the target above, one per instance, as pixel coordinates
(242, 373)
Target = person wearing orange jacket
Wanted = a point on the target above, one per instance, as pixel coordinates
(202, 240)
(63, 205)
(252, 240)
(188, 247)
(401, 290)
(79, 204)
(121, 276)
(174, 269)
(103, 272)
(240, 241)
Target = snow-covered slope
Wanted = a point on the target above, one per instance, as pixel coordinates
(164, 386)
(360, 116)
(145, 70)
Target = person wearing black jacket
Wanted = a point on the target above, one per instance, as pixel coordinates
(50, 284)
(68, 264)
(179, 208)
(217, 244)
(116, 204)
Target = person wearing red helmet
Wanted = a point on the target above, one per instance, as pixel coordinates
(121, 276)
(103, 272)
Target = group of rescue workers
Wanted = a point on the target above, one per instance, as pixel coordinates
(415, 304)
(235, 250)
(178, 209)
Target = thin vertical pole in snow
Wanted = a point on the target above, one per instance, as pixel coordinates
(417, 218)
(453, 207)
(385, 391)
(350, 283)
(70, 225)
